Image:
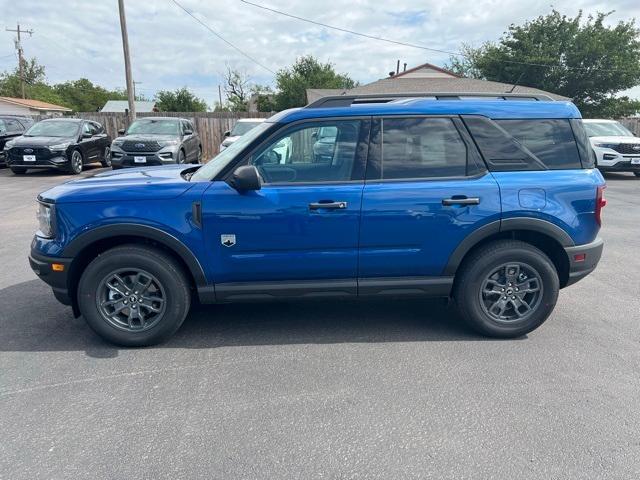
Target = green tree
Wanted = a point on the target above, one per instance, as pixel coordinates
(265, 98)
(180, 100)
(579, 58)
(84, 96)
(306, 72)
(35, 84)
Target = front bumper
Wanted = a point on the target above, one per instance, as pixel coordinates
(621, 166)
(60, 162)
(583, 259)
(122, 159)
(58, 280)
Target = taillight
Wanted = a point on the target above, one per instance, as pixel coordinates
(601, 202)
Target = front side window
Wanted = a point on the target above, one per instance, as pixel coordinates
(422, 148)
(13, 126)
(304, 154)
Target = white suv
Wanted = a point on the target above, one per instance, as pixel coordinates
(616, 148)
(241, 127)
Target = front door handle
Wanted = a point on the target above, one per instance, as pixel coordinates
(460, 200)
(329, 205)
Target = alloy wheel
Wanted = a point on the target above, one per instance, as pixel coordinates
(511, 292)
(76, 162)
(131, 299)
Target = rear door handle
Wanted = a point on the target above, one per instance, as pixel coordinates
(330, 205)
(461, 200)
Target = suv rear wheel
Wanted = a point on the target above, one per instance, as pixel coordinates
(506, 289)
(134, 296)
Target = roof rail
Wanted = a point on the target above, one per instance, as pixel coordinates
(348, 100)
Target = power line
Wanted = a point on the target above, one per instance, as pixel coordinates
(413, 45)
(222, 38)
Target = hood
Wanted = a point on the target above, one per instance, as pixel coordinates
(23, 141)
(149, 183)
(614, 139)
(229, 140)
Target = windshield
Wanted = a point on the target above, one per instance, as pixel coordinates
(606, 129)
(243, 127)
(214, 166)
(156, 127)
(57, 128)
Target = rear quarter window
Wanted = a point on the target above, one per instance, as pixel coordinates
(551, 140)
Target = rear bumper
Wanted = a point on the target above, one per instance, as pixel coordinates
(583, 260)
(42, 267)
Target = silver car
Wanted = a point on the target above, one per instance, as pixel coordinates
(156, 141)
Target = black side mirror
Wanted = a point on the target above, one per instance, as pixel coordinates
(121, 131)
(246, 178)
(227, 133)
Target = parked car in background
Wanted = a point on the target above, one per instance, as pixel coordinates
(241, 127)
(615, 147)
(61, 143)
(10, 127)
(494, 203)
(156, 141)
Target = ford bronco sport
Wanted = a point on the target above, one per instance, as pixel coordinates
(494, 202)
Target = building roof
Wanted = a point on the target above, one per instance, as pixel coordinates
(496, 109)
(114, 106)
(398, 84)
(34, 104)
(426, 66)
(314, 94)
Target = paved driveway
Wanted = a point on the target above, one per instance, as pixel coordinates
(393, 389)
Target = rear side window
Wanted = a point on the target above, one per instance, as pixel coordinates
(422, 148)
(550, 140)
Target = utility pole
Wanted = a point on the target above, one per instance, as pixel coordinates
(134, 89)
(127, 62)
(18, 43)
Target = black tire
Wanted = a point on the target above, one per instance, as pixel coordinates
(18, 170)
(199, 157)
(475, 274)
(106, 157)
(637, 174)
(76, 162)
(182, 158)
(169, 283)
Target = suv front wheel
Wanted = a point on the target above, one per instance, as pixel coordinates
(134, 296)
(506, 289)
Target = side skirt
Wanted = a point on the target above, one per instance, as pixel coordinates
(396, 286)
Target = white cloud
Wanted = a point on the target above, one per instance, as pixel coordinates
(76, 38)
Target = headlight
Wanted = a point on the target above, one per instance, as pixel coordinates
(60, 146)
(44, 214)
(117, 142)
(605, 145)
(9, 144)
(167, 143)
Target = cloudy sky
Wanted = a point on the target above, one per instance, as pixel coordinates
(79, 38)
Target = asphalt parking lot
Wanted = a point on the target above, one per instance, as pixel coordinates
(394, 389)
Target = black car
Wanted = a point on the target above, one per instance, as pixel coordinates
(11, 127)
(156, 141)
(65, 144)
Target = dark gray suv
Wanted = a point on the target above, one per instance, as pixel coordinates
(156, 141)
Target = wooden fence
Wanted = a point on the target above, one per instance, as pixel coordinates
(632, 124)
(209, 125)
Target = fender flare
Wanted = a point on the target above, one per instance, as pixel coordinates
(144, 231)
(508, 224)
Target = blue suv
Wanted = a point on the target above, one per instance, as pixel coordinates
(494, 202)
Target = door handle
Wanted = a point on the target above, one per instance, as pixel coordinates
(460, 200)
(328, 205)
